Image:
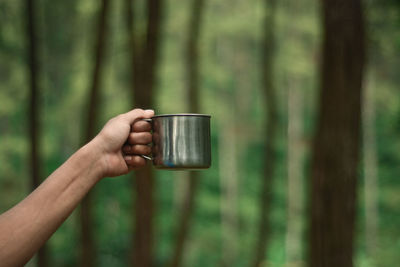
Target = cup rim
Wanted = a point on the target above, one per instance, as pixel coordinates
(183, 115)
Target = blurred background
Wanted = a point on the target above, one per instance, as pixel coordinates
(67, 66)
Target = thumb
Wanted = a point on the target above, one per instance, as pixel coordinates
(137, 114)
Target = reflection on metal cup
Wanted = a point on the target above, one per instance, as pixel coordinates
(181, 141)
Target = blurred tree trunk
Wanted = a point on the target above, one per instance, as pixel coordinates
(295, 207)
(370, 172)
(144, 66)
(192, 66)
(271, 126)
(34, 104)
(336, 145)
(238, 129)
(88, 247)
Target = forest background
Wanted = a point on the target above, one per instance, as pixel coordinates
(246, 63)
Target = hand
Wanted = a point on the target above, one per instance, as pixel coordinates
(122, 139)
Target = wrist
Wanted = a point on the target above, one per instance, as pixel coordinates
(96, 156)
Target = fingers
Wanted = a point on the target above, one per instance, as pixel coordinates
(138, 139)
(141, 126)
(136, 114)
(142, 138)
(134, 162)
(136, 150)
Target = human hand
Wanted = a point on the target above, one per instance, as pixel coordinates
(122, 139)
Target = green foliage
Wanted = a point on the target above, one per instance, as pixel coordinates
(231, 91)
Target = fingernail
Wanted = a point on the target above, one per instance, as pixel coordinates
(149, 111)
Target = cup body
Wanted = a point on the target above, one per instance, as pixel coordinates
(181, 141)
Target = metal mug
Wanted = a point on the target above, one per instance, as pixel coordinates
(181, 141)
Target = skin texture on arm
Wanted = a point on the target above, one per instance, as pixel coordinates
(29, 224)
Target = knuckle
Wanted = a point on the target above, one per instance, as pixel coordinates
(138, 160)
(136, 125)
(136, 149)
(134, 137)
(140, 138)
(142, 149)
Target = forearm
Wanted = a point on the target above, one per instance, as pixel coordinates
(114, 151)
(27, 226)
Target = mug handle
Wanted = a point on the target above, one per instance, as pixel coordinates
(145, 156)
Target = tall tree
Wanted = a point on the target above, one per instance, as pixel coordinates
(88, 246)
(271, 128)
(296, 139)
(192, 67)
(144, 65)
(335, 153)
(238, 130)
(34, 104)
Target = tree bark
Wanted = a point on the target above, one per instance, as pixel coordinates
(192, 66)
(144, 66)
(271, 128)
(335, 153)
(370, 172)
(88, 257)
(34, 104)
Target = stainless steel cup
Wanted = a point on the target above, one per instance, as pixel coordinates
(181, 141)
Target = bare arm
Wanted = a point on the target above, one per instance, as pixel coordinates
(28, 225)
